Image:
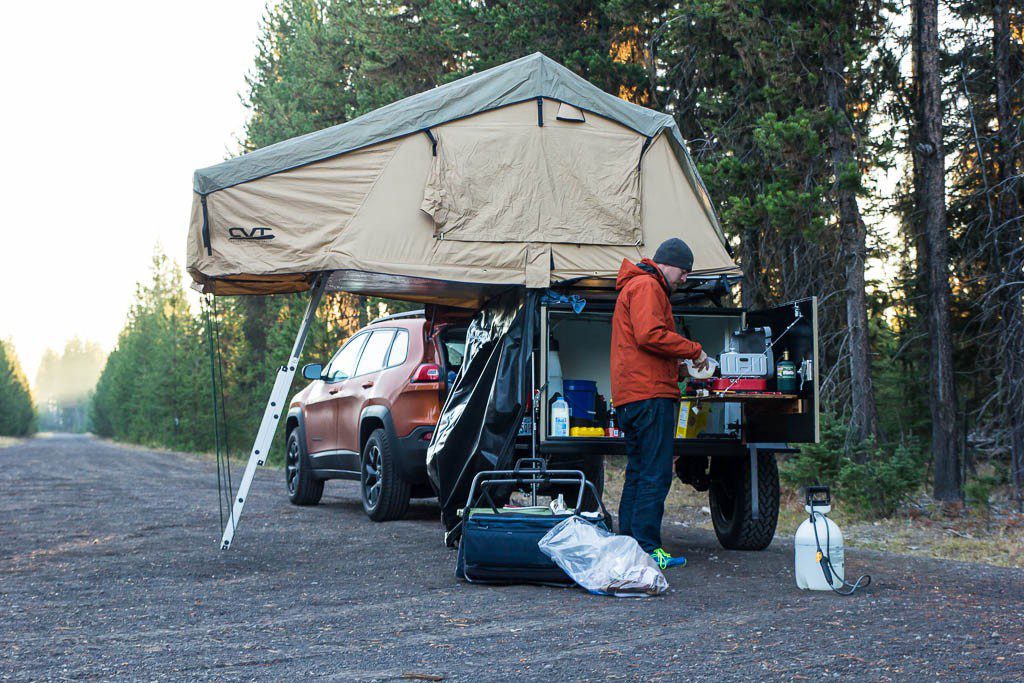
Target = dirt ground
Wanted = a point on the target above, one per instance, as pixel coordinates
(110, 568)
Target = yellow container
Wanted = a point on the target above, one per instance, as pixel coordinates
(693, 419)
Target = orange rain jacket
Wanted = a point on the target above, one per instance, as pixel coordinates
(645, 345)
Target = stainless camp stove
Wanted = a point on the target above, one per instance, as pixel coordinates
(749, 354)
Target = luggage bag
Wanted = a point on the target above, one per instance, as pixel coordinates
(499, 544)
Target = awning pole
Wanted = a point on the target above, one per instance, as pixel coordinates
(273, 412)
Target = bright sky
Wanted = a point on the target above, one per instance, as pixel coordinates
(109, 107)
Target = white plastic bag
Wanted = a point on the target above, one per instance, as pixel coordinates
(602, 562)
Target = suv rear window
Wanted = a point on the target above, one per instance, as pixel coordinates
(400, 349)
(376, 351)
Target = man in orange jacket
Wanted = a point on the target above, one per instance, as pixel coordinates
(646, 351)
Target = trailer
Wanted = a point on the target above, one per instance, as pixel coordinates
(502, 194)
(732, 455)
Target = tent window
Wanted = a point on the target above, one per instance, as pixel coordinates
(567, 112)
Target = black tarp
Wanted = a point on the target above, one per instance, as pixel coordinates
(483, 412)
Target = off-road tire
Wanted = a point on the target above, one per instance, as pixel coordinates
(729, 496)
(303, 487)
(377, 468)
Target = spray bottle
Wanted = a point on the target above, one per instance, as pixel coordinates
(818, 548)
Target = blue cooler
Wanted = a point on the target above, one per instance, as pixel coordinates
(581, 395)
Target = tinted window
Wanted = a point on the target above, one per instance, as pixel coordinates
(344, 363)
(454, 343)
(376, 351)
(399, 350)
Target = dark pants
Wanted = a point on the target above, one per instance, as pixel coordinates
(649, 428)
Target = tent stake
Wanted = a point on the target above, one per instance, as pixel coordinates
(273, 412)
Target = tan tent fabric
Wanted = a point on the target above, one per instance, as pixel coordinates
(306, 209)
(500, 177)
(670, 208)
(359, 214)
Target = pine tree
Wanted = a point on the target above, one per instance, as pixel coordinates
(17, 415)
(779, 101)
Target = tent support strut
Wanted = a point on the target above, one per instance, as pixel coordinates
(272, 414)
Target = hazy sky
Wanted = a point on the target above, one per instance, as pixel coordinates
(108, 107)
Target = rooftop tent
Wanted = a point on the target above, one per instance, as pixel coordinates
(524, 174)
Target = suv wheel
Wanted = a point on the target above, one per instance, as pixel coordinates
(729, 497)
(303, 487)
(385, 494)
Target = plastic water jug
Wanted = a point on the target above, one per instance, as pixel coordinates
(560, 417)
(554, 374)
(809, 573)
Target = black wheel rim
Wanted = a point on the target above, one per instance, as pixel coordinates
(725, 502)
(372, 476)
(291, 470)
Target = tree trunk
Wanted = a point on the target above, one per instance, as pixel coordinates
(752, 294)
(853, 250)
(257, 320)
(933, 256)
(1008, 224)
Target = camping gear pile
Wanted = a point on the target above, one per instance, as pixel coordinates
(499, 542)
(548, 544)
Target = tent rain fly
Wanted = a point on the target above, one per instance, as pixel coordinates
(524, 174)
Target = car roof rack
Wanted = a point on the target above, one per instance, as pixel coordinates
(405, 314)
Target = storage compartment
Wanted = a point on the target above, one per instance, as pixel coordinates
(795, 329)
(576, 348)
(583, 343)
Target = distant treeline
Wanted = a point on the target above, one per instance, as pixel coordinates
(794, 112)
(64, 383)
(156, 386)
(17, 415)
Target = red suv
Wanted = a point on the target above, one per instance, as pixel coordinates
(369, 414)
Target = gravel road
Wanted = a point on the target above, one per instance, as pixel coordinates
(110, 569)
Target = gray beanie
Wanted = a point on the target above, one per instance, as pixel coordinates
(675, 252)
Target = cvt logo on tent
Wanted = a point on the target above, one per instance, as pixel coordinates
(258, 233)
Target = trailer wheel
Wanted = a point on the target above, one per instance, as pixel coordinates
(303, 487)
(385, 494)
(729, 496)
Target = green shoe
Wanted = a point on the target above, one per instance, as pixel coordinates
(665, 560)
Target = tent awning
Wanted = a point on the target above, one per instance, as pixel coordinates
(524, 174)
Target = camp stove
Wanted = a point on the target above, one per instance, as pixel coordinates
(749, 355)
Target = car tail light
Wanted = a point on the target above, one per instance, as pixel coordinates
(427, 436)
(428, 372)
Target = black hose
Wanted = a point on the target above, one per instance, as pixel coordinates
(826, 562)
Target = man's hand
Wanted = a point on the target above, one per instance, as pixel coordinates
(700, 363)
